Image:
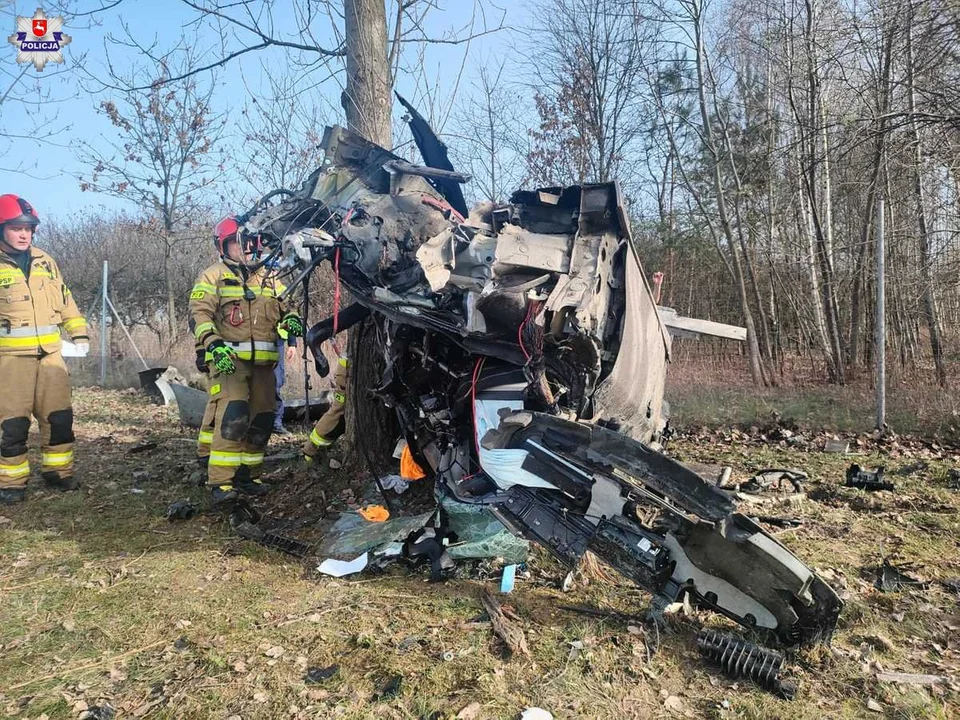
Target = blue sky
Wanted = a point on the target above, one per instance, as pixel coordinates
(45, 173)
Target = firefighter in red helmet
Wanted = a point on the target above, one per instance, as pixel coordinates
(236, 315)
(35, 306)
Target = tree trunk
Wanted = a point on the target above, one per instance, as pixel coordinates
(753, 346)
(370, 427)
(172, 326)
(930, 312)
(366, 97)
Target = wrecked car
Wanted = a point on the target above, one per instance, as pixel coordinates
(525, 361)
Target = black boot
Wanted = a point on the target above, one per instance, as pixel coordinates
(252, 487)
(222, 494)
(62, 484)
(12, 496)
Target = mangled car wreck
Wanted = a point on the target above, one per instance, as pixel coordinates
(524, 360)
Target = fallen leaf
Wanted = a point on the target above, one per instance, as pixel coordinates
(260, 697)
(874, 706)
(240, 666)
(674, 703)
(314, 618)
(274, 652)
(470, 712)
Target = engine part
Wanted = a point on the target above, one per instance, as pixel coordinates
(858, 477)
(739, 658)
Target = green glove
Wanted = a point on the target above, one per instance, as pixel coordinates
(293, 324)
(222, 357)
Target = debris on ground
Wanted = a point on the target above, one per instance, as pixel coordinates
(391, 689)
(739, 658)
(953, 478)
(507, 630)
(858, 477)
(833, 445)
(342, 568)
(535, 713)
(181, 510)
(775, 479)
(318, 675)
(893, 579)
(911, 678)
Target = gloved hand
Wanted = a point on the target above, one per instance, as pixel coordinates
(202, 361)
(83, 347)
(222, 357)
(292, 324)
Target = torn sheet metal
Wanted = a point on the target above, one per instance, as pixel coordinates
(524, 361)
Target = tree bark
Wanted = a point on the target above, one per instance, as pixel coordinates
(366, 97)
(930, 311)
(371, 428)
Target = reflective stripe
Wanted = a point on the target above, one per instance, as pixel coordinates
(204, 287)
(340, 397)
(253, 458)
(319, 440)
(205, 437)
(245, 351)
(239, 292)
(7, 342)
(226, 459)
(57, 459)
(15, 471)
(343, 362)
(29, 331)
(74, 324)
(203, 329)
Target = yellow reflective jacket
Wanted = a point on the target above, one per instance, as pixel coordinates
(33, 309)
(245, 315)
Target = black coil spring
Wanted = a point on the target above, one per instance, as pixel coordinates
(739, 658)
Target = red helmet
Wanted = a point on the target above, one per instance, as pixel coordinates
(14, 209)
(226, 229)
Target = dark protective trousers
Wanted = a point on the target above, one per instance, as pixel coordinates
(330, 424)
(38, 386)
(243, 408)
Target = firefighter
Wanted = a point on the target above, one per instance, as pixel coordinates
(236, 314)
(35, 305)
(331, 424)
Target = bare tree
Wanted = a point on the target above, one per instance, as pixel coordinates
(588, 69)
(163, 159)
(487, 137)
(279, 137)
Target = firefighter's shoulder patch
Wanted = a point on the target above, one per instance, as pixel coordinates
(197, 295)
(7, 280)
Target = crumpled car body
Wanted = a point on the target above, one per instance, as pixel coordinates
(525, 360)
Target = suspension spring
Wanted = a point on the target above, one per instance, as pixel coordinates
(739, 658)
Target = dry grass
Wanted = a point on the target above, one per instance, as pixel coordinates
(102, 600)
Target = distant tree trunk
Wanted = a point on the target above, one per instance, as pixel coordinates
(930, 311)
(753, 346)
(168, 279)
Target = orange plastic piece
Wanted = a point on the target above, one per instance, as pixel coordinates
(374, 513)
(409, 469)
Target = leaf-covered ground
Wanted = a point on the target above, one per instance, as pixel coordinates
(105, 604)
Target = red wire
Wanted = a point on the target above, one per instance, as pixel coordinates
(526, 319)
(336, 301)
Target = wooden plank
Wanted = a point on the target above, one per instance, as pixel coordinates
(680, 326)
